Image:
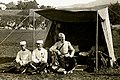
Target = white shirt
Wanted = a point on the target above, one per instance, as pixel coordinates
(23, 57)
(65, 48)
(40, 55)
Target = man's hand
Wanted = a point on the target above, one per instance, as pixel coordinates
(67, 55)
(57, 51)
(71, 56)
(21, 63)
(42, 61)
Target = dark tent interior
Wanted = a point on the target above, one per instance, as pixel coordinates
(78, 26)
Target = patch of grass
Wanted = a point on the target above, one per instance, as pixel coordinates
(6, 59)
(77, 75)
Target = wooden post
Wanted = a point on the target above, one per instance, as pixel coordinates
(97, 43)
(33, 30)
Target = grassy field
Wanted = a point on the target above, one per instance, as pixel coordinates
(10, 47)
(18, 35)
(108, 74)
(111, 74)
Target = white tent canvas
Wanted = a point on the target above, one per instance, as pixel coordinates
(107, 32)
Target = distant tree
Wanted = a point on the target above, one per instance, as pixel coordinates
(11, 5)
(27, 5)
(42, 7)
(46, 7)
(31, 5)
(114, 13)
(20, 5)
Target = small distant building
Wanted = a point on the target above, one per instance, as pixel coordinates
(26, 0)
(3, 7)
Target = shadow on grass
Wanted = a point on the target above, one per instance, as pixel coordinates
(6, 59)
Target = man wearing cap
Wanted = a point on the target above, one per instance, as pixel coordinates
(22, 60)
(23, 57)
(62, 49)
(39, 57)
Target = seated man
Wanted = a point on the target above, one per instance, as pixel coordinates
(39, 57)
(23, 57)
(65, 58)
(22, 60)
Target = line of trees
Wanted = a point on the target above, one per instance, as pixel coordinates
(26, 5)
(114, 9)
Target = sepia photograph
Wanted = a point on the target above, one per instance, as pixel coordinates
(59, 39)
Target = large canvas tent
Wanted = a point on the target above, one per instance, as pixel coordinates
(85, 28)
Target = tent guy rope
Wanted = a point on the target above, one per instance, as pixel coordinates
(12, 31)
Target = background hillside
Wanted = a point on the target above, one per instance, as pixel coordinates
(91, 4)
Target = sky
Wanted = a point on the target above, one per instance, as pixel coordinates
(54, 3)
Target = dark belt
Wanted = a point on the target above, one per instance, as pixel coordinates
(63, 54)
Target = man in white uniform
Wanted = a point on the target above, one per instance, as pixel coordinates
(39, 57)
(65, 52)
(22, 60)
(24, 55)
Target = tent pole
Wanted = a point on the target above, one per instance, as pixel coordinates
(33, 29)
(97, 43)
